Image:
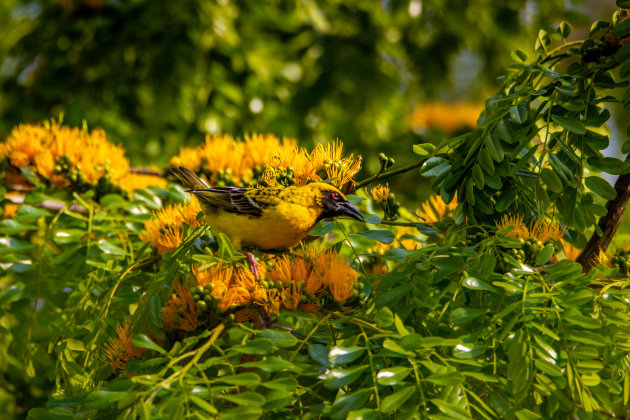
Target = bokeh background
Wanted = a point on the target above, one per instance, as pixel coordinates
(158, 75)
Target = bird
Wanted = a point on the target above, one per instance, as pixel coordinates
(267, 218)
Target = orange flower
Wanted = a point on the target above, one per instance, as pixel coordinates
(10, 209)
(291, 296)
(435, 210)
(119, 350)
(342, 279)
(219, 276)
(235, 296)
(180, 312)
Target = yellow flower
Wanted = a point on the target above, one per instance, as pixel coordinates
(343, 171)
(545, 231)
(380, 192)
(519, 231)
(446, 117)
(119, 350)
(435, 210)
(180, 312)
(165, 229)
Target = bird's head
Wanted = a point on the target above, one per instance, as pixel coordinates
(334, 203)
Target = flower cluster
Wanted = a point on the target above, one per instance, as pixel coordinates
(225, 160)
(538, 229)
(120, 350)
(67, 156)
(292, 165)
(165, 230)
(304, 282)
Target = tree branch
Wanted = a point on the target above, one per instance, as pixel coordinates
(608, 224)
(52, 205)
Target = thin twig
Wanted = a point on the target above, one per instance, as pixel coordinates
(383, 175)
(406, 224)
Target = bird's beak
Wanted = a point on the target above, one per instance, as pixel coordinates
(348, 209)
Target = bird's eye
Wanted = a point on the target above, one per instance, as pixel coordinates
(335, 196)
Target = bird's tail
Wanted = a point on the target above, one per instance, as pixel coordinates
(191, 180)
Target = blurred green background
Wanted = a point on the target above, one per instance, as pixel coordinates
(157, 75)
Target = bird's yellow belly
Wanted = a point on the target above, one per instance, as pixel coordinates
(279, 227)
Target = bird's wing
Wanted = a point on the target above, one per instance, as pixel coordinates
(232, 199)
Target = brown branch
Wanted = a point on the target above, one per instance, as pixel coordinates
(608, 224)
(392, 223)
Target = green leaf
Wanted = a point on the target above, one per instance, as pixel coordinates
(336, 378)
(424, 149)
(551, 180)
(282, 339)
(462, 316)
(204, 405)
(243, 379)
(11, 227)
(319, 353)
(144, 342)
(476, 284)
(270, 364)
(451, 410)
(565, 29)
(623, 53)
(623, 4)
(109, 248)
(256, 346)
(384, 317)
(571, 124)
(244, 412)
(322, 228)
(384, 236)
(342, 355)
(518, 113)
(525, 414)
(621, 29)
(245, 398)
(392, 376)
(600, 187)
(348, 402)
(393, 346)
(372, 219)
(281, 384)
(393, 402)
(446, 379)
(519, 55)
(104, 399)
(544, 255)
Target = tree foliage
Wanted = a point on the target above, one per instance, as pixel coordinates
(470, 308)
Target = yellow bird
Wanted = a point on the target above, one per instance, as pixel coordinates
(266, 218)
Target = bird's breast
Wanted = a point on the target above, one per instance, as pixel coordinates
(279, 227)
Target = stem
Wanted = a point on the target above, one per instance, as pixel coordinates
(383, 175)
(608, 224)
(406, 224)
(145, 171)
